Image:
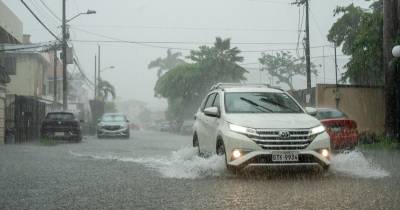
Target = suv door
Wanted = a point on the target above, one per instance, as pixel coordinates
(202, 125)
(212, 125)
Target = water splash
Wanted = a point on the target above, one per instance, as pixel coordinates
(186, 164)
(183, 163)
(355, 164)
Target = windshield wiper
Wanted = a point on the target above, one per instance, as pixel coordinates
(255, 104)
(278, 104)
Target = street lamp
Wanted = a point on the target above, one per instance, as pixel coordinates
(396, 51)
(109, 67)
(89, 12)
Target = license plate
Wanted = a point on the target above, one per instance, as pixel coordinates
(59, 133)
(285, 157)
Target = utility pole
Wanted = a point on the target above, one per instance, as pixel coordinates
(64, 56)
(95, 77)
(323, 62)
(308, 56)
(336, 66)
(307, 46)
(390, 30)
(98, 69)
(55, 74)
(337, 96)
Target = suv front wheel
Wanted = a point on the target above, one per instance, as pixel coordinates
(220, 149)
(196, 144)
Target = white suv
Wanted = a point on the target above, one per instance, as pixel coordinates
(259, 126)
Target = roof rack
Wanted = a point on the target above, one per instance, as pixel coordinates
(222, 86)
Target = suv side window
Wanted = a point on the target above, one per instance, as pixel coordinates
(209, 101)
(216, 101)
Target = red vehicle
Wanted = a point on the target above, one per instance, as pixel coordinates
(342, 130)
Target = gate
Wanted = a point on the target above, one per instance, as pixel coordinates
(24, 116)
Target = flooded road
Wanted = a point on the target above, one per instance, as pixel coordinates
(155, 170)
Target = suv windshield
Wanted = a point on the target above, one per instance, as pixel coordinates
(113, 118)
(60, 116)
(262, 102)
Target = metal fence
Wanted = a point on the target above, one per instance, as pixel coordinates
(24, 116)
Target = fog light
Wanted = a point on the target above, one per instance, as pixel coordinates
(236, 154)
(325, 153)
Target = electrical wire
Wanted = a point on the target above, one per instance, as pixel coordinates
(39, 20)
(50, 11)
(77, 64)
(188, 28)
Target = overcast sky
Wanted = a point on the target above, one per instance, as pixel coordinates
(271, 23)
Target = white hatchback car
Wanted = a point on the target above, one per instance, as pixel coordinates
(259, 126)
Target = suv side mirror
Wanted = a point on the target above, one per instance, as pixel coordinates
(311, 111)
(212, 111)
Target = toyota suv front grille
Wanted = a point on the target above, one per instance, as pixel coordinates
(283, 139)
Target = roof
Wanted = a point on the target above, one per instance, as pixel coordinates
(252, 89)
(239, 87)
(115, 113)
(326, 109)
(63, 112)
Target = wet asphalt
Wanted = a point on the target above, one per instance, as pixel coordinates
(92, 175)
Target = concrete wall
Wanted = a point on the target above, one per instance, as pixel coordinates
(365, 105)
(10, 23)
(31, 76)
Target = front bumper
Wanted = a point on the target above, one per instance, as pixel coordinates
(264, 159)
(256, 156)
(116, 133)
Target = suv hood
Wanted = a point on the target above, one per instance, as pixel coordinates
(277, 120)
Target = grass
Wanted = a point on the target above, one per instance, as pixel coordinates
(48, 142)
(380, 142)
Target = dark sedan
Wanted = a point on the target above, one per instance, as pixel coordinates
(61, 125)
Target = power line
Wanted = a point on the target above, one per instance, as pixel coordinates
(49, 10)
(186, 49)
(185, 42)
(77, 63)
(131, 42)
(190, 28)
(271, 2)
(151, 43)
(40, 21)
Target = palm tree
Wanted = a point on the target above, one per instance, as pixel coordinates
(105, 89)
(164, 64)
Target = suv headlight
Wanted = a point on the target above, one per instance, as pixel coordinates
(242, 130)
(314, 132)
(317, 130)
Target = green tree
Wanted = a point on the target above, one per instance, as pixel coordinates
(164, 64)
(105, 89)
(185, 85)
(284, 67)
(359, 32)
(219, 63)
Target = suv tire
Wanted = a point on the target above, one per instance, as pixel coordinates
(220, 150)
(196, 144)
